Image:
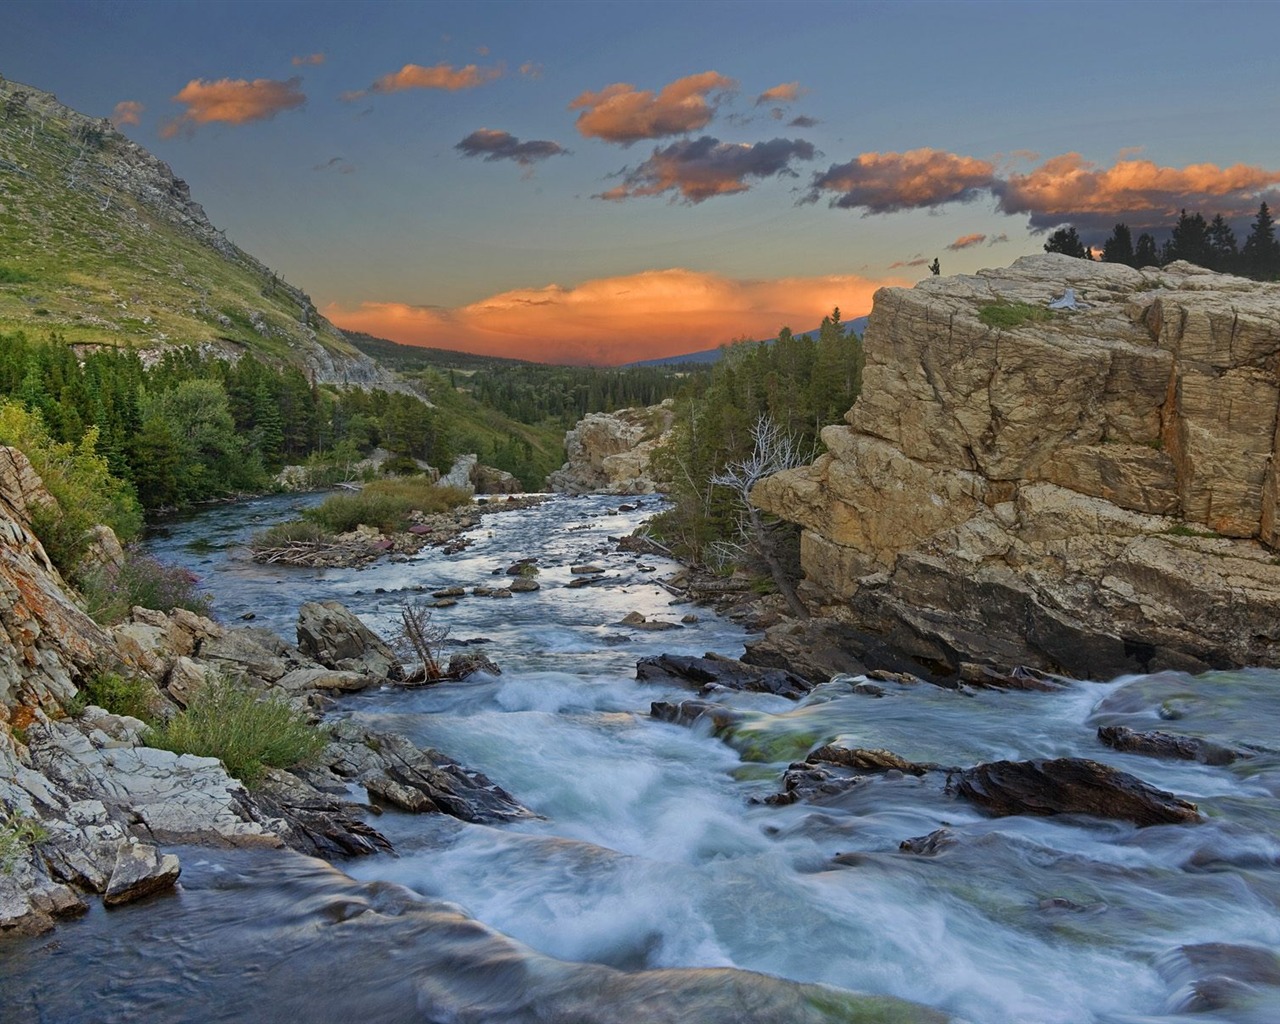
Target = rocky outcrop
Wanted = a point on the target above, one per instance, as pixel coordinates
(1061, 493)
(611, 453)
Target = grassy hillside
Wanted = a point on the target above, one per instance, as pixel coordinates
(407, 358)
(101, 243)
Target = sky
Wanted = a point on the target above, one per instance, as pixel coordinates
(600, 182)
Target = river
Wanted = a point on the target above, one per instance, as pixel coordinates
(654, 855)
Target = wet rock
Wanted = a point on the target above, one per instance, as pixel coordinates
(1069, 785)
(1164, 744)
(335, 637)
(931, 845)
(637, 621)
(984, 677)
(585, 570)
(716, 672)
(867, 761)
(521, 567)
(831, 771)
(444, 602)
(1219, 975)
(524, 585)
(304, 680)
(687, 712)
(450, 592)
(140, 870)
(688, 618)
(317, 823)
(390, 767)
(585, 581)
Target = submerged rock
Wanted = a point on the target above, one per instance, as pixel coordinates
(1164, 744)
(712, 672)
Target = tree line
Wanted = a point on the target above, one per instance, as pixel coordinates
(1210, 244)
(193, 427)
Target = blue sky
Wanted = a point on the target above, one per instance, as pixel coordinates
(639, 195)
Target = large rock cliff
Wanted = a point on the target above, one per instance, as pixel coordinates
(611, 452)
(1091, 491)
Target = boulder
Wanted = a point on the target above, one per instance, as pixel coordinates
(713, 672)
(1047, 494)
(140, 870)
(1169, 745)
(332, 635)
(1069, 785)
(611, 453)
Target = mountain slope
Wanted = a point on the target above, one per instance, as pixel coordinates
(711, 355)
(102, 243)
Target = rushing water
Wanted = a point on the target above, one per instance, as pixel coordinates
(653, 852)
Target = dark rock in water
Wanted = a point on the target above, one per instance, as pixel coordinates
(713, 671)
(1164, 744)
(396, 772)
(687, 712)
(861, 759)
(818, 649)
(463, 665)
(1069, 785)
(524, 585)
(450, 592)
(519, 567)
(585, 581)
(984, 677)
(320, 824)
(1219, 975)
(637, 621)
(930, 845)
(585, 570)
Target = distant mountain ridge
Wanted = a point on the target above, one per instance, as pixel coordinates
(712, 355)
(102, 243)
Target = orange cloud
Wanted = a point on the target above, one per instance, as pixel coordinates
(233, 101)
(1070, 188)
(441, 76)
(614, 320)
(885, 182)
(127, 112)
(622, 113)
(966, 241)
(698, 169)
(311, 58)
(531, 70)
(787, 92)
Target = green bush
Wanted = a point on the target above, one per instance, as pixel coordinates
(122, 695)
(1005, 315)
(78, 477)
(385, 504)
(12, 275)
(18, 833)
(295, 532)
(228, 721)
(110, 591)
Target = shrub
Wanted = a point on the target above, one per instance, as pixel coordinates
(226, 720)
(299, 531)
(385, 504)
(18, 833)
(80, 481)
(1013, 314)
(122, 695)
(111, 591)
(12, 275)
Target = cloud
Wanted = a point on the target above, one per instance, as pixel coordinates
(233, 101)
(698, 169)
(618, 319)
(919, 261)
(495, 145)
(531, 70)
(1062, 189)
(803, 121)
(622, 113)
(336, 163)
(1069, 189)
(439, 76)
(885, 182)
(309, 59)
(966, 242)
(787, 92)
(482, 51)
(997, 239)
(127, 112)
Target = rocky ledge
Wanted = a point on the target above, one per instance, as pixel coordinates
(611, 452)
(1091, 491)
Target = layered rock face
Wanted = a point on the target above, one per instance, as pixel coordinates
(611, 452)
(1094, 493)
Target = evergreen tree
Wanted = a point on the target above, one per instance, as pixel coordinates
(1261, 252)
(1189, 241)
(1145, 253)
(1118, 248)
(1223, 254)
(1066, 241)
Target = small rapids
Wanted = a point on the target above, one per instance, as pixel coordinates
(656, 885)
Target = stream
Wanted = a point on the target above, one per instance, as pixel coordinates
(653, 854)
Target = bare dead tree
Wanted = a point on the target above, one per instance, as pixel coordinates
(416, 635)
(774, 450)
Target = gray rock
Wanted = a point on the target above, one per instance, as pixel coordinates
(140, 871)
(333, 636)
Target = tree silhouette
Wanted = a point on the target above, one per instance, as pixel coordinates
(1066, 241)
(1189, 241)
(1118, 248)
(1261, 252)
(1145, 253)
(1223, 255)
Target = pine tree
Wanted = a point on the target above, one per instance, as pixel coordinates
(1223, 254)
(1118, 248)
(1066, 241)
(1261, 252)
(1189, 241)
(1145, 253)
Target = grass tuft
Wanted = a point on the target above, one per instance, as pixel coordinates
(1005, 315)
(385, 504)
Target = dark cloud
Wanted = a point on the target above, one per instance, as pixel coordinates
(336, 163)
(698, 169)
(495, 145)
(885, 182)
(803, 121)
